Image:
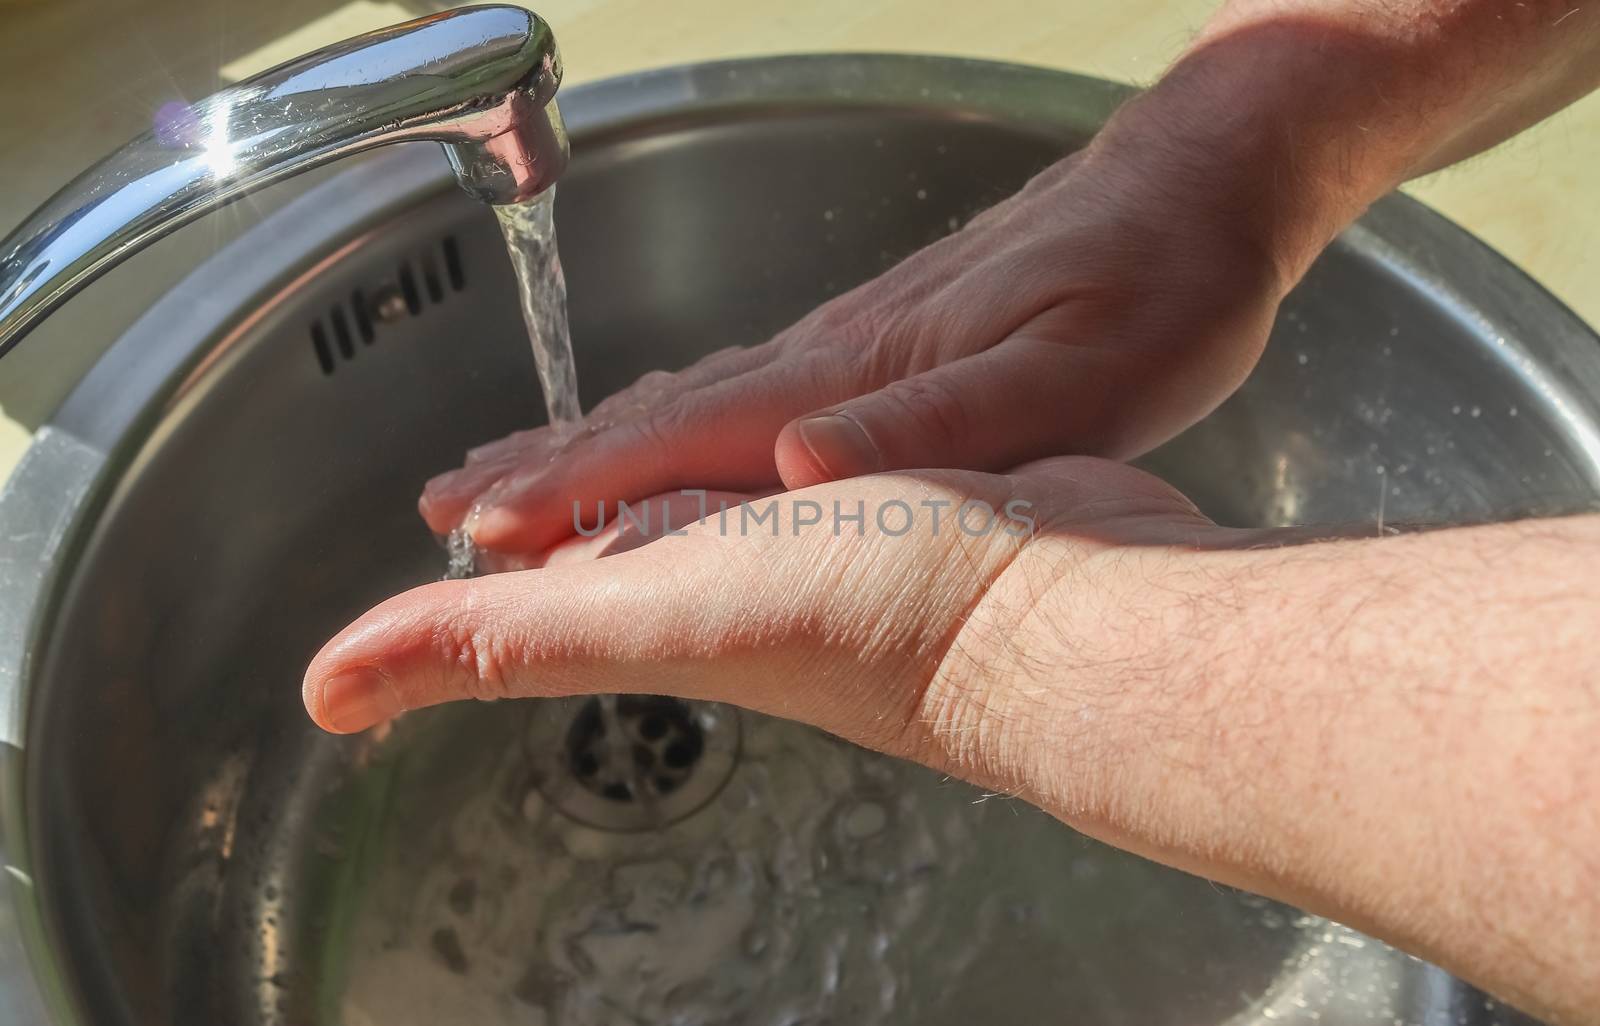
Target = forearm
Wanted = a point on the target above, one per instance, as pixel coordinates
(1291, 116)
(1403, 734)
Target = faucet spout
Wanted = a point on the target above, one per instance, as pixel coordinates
(480, 80)
(517, 164)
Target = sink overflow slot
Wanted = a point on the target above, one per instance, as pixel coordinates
(333, 339)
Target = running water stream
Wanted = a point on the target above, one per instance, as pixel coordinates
(530, 233)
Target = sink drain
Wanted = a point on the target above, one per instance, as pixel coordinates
(634, 748)
(632, 762)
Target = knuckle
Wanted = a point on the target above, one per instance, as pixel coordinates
(719, 359)
(831, 316)
(656, 430)
(859, 322)
(824, 371)
(655, 381)
(872, 347)
(872, 332)
(477, 661)
(646, 391)
(870, 326)
(499, 448)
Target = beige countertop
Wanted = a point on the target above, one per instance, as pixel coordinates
(84, 75)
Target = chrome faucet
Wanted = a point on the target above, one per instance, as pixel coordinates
(480, 80)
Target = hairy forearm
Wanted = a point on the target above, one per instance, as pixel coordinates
(1291, 116)
(1435, 80)
(1401, 733)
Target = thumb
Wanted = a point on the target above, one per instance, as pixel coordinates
(1024, 399)
(534, 633)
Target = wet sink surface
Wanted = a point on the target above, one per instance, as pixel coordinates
(822, 883)
(201, 854)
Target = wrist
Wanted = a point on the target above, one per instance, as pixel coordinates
(1168, 710)
(1270, 134)
(1104, 688)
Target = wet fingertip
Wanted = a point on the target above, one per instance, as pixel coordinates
(439, 513)
(441, 482)
(437, 488)
(499, 528)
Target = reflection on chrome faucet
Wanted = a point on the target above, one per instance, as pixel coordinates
(480, 80)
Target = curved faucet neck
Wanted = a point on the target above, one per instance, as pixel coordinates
(480, 80)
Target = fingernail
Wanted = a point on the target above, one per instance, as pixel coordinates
(839, 447)
(357, 700)
(495, 528)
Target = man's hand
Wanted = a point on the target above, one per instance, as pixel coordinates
(1091, 313)
(1120, 297)
(888, 594)
(1397, 732)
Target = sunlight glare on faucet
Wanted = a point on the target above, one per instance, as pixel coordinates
(219, 152)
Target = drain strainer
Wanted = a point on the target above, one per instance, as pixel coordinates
(632, 762)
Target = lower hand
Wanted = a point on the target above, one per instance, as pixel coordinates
(913, 641)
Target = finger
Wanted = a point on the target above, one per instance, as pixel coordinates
(447, 497)
(935, 307)
(657, 387)
(1024, 399)
(841, 631)
(718, 436)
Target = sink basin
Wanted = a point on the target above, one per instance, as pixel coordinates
(236, 479)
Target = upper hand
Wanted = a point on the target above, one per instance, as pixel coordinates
(1099, 311)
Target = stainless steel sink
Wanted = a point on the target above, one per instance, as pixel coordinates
(236, 479)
